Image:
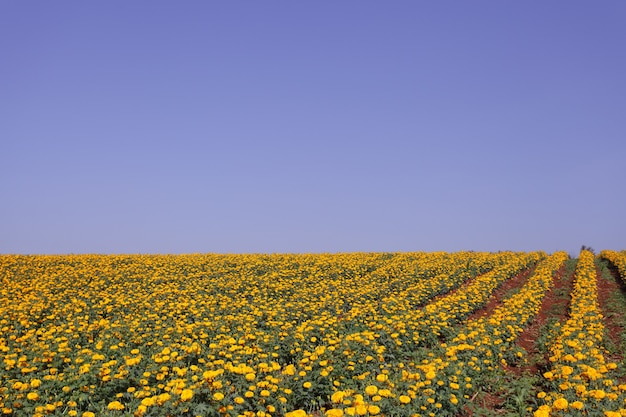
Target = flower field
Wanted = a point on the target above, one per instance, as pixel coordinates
(366, 334)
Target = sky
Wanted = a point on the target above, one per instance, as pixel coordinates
(291, 127)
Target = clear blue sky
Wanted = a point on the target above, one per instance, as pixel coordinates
(282, 126)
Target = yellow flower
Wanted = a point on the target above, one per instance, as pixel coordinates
(338, 397)
(115, 405)
(218, 396)
(371, 389)
(373, 409)
(577, 405)
(88, 414)
(334, 412)
(186, 395)
(405, 399)
(33, 396)
(149, 401)
(560, 404)
(307, 384)
(296, 413)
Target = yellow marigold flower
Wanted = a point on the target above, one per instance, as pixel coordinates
(404, 399)
(88, 414)
(361, 409)
(577, 405)
(334, 412)
(289, 370)
(72, 413)
(430, 375)
(115, 405)
(307, 384)
(373, 409)
(371, 389)
(163, 398)
(381, 377)
(35, 383)
(239, 400)
(560, 404)
(218, 396)
(338, 397)
(149, 401)
(542, 411)
(186, 395)
(296, 413)
(33, 396)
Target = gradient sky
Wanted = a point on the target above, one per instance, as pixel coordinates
(275, 126)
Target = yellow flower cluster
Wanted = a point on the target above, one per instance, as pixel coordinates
(618, 259)
(253, 335)
(580, 376)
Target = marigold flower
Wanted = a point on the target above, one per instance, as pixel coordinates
(404, 399)
(371, 389)
(296, 413)
(186, 395)
(560, 404)
(115, 405)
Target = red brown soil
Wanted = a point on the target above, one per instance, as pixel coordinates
(607, 287)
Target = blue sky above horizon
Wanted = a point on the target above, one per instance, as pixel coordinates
(168, 127)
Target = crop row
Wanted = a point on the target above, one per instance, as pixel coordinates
(618, 259)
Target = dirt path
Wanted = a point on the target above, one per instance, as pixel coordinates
(612, 302)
